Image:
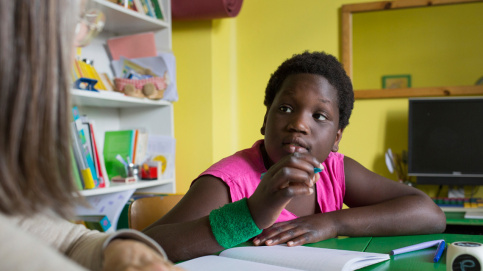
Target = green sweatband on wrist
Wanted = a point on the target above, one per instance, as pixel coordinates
(233, 224)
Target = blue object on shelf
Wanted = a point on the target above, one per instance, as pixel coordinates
(86, 84)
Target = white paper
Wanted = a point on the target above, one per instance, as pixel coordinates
(171, 93)
(224, 263)
(164, 146)
(110, 205)
(282, 257)
(474, 214)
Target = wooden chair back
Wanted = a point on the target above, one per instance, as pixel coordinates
(145, 211)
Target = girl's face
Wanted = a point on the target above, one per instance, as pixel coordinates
(304, 117)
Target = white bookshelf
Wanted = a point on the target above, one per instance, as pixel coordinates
(112, 111)
(140, 186)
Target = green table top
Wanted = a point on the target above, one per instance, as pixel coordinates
(416, 260)
(344, 243)
(458, 218)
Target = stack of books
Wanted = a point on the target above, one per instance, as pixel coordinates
(88, 163)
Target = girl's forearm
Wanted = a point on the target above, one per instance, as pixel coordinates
(412, 214)
(186, 240)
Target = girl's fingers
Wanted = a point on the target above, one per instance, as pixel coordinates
(290, 234)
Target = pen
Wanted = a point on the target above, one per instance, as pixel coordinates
(416, 247)
(439, 251)
(316, 170)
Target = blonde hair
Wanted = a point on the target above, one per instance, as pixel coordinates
(35, 112)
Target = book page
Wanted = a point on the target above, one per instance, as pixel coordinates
(306, 258)
(110, 205)
(213, 263)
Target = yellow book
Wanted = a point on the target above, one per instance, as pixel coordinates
(77, 68)
(100, 85)
(88, 180)
(84, 70)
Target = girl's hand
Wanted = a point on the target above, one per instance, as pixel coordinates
(131, 255)
(292, 176)
(303, 230)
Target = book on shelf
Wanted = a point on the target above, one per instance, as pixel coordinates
(117, 143)
(158, 9)
(132, 46)
(129, 4)
(282, 257)
(149, 7)
(98, 157)
(139, 6)
(85, 171)
(85, 70)
(106, 81)
(86, 152)
(140, 147)
(84, 124)
(76, 172)
(162, 148)
(81, 137)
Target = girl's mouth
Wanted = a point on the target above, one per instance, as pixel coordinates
(295, 145)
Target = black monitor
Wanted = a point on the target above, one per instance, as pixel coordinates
(446, 140)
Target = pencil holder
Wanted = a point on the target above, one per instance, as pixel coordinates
(133, 171)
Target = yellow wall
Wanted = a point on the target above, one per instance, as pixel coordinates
(222, 70)
(437, 46)
(192, 46)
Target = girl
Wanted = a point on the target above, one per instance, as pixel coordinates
(274, 187)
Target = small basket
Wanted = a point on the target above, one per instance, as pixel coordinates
(160, 85)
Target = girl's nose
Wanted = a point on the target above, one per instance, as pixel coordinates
(299, 123)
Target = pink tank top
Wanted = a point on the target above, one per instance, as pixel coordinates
(241, 172)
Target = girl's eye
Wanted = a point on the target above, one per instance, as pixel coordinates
(319, 117)
(285, 109)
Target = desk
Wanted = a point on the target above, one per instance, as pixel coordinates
(457, 223)
(416, 260)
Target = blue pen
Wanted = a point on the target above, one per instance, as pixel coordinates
(316, 170)
(439, 251)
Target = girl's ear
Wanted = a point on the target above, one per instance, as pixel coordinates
(262, 130)
(338, 137)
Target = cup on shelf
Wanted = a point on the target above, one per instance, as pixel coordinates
(133, 171)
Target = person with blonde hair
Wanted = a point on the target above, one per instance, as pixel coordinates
(37, 191)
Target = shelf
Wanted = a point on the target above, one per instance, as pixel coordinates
(111, 99)
(115, 187)
(460, 209)
(124, 21)
(112, 110)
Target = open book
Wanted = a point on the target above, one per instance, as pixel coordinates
(282, 257)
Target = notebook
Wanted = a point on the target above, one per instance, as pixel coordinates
(284, 258)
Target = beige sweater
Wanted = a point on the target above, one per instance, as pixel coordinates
(48, 242)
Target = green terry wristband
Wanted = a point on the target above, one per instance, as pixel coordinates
(233, 224)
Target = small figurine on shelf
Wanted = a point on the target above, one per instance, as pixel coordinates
(86, 84)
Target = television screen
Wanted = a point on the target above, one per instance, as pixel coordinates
(446, 140)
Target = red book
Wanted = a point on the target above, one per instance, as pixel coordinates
(102, 180)
(132, 46)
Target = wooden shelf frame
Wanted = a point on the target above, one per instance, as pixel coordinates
(346, 56)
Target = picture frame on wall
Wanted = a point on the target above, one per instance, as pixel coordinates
(396, 81)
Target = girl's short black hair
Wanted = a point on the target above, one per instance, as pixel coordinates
(315, 63)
